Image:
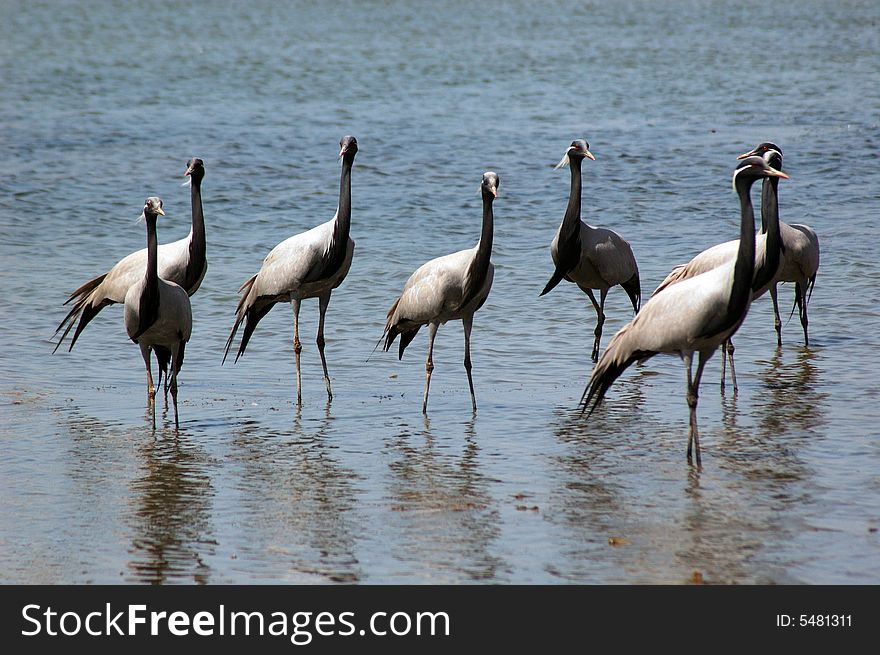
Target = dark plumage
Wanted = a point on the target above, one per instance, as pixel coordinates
(591, 257)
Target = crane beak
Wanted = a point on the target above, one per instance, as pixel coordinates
(160, 211)
(590, 155)
(778, 173)
(750, 153)
(494, 191)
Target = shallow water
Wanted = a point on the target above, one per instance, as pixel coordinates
(101, 106)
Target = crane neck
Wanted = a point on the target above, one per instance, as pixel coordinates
(343, 211)
(744, 267)
(152, 274)
(197, 246)
(198, 216)
(476, 274)
(770, 227)
(484, 247)
(571, 219)
(334, 255)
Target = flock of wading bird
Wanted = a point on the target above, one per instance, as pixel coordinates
(697, 308)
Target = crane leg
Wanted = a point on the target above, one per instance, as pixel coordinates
(693, 394)
(723, 364)
(151, 389)
(800, 297)
(174, 394)
(297, 349)
(730, 350)
(600, 319)
(468, 322)
(429, 363)
(323, 302)
(777, 322)
(176, 364)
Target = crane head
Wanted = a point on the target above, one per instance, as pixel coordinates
(579, 149)
(153, 207)
(489, 184)
(348, 144)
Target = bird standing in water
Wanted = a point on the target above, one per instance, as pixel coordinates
(695, 315)
(158, 316)
(307, 265)
(444, 289)
(183, 262)
(591, 257)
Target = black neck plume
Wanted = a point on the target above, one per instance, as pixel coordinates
(343, 216)
(335, 254)
(770, 226)
(569, 243)
(148, 307)
(744, 268)
(571, 219)
(479, 267)
(197, 246)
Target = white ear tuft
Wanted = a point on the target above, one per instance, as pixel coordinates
(188, 183)
(563, 162)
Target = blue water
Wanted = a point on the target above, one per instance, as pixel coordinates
(101, 105)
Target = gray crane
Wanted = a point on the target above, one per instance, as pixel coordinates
(695, 315)
(768, 252)
(448, 288)
(308, 265)
(591, 257)
(800, 261)
(183, 262)
(158, 316)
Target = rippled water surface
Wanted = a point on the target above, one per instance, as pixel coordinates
(102, 104)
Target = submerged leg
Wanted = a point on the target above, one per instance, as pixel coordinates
(688, 359)
(730, 351)
(429, 363)
(467, 323)
(174, 390)
(151, 389)
(297, 349)
(176, 364)
(323, 301)
(723, 364)
(777, 322)
(600, 319)
(693, 395)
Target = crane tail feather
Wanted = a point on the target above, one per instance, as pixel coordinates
(810, 285)
(405, 339)
(82, 311)
(250, 311)
(610, 367)
(85, 289)
(229, 341)
(558, 276)
(163, 357)
(633, 289)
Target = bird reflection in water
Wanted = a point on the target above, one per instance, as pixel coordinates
(296, 500)
(787, 408)
(171, 518)
(791, 402)
(441, 505)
